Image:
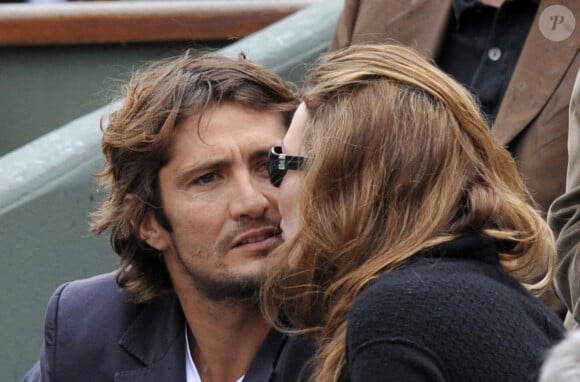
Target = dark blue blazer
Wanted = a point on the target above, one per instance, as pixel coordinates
(94, 332)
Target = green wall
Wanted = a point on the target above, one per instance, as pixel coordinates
(42, 88)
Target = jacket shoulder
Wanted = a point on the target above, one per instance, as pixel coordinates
(90, 296)
(88, 311)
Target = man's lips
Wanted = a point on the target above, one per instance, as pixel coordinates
(257, 236)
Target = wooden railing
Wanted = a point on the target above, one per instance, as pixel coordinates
(138, 21)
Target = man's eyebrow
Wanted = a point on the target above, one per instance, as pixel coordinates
(258, 154)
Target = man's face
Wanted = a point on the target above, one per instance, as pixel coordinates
(218, 199)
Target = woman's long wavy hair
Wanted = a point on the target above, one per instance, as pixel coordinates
(137, 144)
(400, 160)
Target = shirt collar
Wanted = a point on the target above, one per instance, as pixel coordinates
(460, 6)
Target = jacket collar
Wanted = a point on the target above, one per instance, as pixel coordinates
(540, 68)
(264, 363)
(420, 24)
(473, 246)
(157, 339)
(460, 6)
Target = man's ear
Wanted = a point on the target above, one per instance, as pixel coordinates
(150, 231)
(153, 233)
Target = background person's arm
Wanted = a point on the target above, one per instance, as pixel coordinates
(564, 217)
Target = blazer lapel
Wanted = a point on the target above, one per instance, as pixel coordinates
(262, 367)
(539, 70)
(157, 339)
(421, 24)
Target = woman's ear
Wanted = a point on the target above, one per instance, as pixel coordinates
(150, 231)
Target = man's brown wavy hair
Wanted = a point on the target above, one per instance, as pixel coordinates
(137, 144)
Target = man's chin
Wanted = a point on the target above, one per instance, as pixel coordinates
(233, 289)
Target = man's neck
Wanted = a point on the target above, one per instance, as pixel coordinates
(224, 337)
(492, 3)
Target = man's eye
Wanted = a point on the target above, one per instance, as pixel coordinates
(206, 178)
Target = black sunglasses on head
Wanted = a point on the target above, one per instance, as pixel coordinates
(279, 164)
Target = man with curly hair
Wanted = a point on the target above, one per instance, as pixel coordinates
(193, 217)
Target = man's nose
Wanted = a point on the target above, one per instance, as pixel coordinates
(248, 199)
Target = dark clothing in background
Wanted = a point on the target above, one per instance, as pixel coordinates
(531, 119)
(482, 47)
